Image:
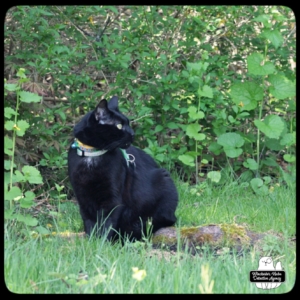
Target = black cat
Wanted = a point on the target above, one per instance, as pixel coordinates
(118, 190)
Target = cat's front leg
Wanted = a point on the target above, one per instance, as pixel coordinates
(89, 226)
(109, 226)
(88, 222)
(100, 228)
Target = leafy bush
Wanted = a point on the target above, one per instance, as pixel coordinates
(210, 89)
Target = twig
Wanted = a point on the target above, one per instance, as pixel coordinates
(99, 36)
(134, 121)
(55, 99)
(81, 31)
(232, 45)
(115, 87)
(77, 28)
(291, 32)
(146, 81)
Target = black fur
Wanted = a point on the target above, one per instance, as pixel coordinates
(111, 195)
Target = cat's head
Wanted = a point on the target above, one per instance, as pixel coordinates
(105, 128)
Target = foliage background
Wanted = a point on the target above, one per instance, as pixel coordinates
(210, 90)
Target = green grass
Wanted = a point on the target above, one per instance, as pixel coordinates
(54, 265)
(232, 203)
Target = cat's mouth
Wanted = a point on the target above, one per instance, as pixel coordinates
(129, 141)
(126, 145)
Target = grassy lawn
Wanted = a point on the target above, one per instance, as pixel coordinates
(82, 265)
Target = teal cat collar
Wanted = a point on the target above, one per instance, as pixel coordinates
(95, 153)
(85, 150)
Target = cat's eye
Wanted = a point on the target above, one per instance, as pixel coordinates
(119, 126)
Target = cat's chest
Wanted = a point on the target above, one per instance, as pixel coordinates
(89, 162)
(99, 165)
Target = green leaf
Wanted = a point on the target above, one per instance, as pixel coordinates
(230, 139)
(192, 132)
(61, 114)
(172, 125)
(215, 148)
(267, 179)
(233, 152)
(149, 121)
(214, 176)
(194, 114)
(231, 142)
(53, 213)
(289, 158)
(272, 126)
(8, 112)
(27, 201)
(113, 9)
(257, 65)
(197, 68)
(21, 73)
(205, 92)
(8, 145)
(281, 88)
(11, 87)
(32, 175)
(274, 36)
(9, 214)
(61, 49)
(185, 73)
(246, 176)
(27, 219)
(13, 193)
(6, 180)
(9, 125)
(187, 160)
(45, 13)
(42, 230)
(258, 186)
(242, 115)
(290, 179)
(18, 177)
(160, 157)
(263, 19)
(158, 128)
(46, 155)
(273, 144)
(288, 139)
(21, 127)
(246, 94)
(270, 162)
(251, 164)
(231, 119)
(7, 164)
(28, 97)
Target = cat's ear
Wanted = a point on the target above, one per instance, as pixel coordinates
(101, 110)
(113, 103)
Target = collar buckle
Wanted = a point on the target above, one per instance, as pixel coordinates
(130, 159)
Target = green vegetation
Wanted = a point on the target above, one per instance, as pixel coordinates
(210, 91)
(59, 265)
